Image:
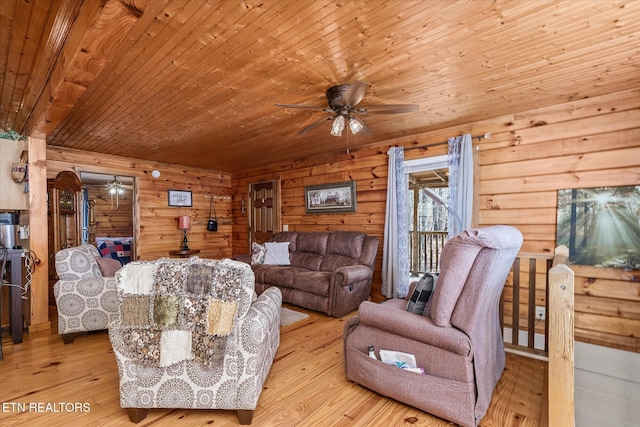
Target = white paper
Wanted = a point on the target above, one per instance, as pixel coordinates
(399, 359)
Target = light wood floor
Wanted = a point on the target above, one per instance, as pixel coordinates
(306, 386)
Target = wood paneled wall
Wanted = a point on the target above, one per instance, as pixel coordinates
(529, 157)
(367, 167)
(587, 143)
(158, 232)
(113, 218)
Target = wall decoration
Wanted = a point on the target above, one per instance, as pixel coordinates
(179, 198)
(601, 226)
(330, 198)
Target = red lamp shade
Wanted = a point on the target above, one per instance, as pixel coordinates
(184, 222)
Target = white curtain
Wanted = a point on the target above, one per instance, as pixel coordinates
(395, 251)
(460, 183)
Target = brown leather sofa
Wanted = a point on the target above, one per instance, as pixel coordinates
(329, 272)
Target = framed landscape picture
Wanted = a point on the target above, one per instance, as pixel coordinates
(601, 226)
(330, 198)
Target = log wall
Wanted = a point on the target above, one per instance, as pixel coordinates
(529, 157)
(367, 167)
(158, 228)
(112, 219)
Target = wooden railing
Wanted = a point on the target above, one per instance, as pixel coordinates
(529, 288)
(561, 341)
(545, 281)
(426, 247)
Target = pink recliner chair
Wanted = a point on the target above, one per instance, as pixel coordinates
(457, 340)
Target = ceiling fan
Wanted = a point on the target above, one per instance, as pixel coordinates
(344, 109)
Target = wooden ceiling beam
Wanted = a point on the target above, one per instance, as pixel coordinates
(60, 18)
(88, 48)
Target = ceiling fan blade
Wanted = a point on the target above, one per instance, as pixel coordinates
(355, 93)
(366, 130)
(314, 125)
(301, 106)
(389, 109)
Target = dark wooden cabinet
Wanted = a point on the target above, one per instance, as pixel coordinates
(64, 195)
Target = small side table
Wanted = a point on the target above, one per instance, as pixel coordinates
(184, 253)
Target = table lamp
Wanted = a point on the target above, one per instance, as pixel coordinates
(184, 223)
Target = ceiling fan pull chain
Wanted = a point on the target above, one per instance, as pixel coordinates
(347, 142)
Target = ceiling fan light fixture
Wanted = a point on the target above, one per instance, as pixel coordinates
(115, 188)
(354, 125)
(343, 101)
(338, 126)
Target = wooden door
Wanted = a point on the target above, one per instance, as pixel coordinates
(264, 210)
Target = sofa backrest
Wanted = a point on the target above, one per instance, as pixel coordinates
(479, 300)
(343, 249)
(327, 251)
(286, 236)
(310, 250)
(185, 309)
(194, 278)
(78, 262)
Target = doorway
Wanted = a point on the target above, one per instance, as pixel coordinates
(264, 210)
(428, 220)
(109, 213)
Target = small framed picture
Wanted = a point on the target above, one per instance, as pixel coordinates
(179, 198)
(330, 198)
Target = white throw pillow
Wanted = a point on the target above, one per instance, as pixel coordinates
(277, 253)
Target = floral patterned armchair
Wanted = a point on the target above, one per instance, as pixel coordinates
(85, 292)
(193, 334)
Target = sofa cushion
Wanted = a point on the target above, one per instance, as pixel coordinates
(458, 255)
(277, 253)
(345, 243)
(332, 262)
(316, 282)
(287, 236)
(312, 242)
(307, 260)
(277, 275)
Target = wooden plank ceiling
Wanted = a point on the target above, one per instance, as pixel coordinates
(194, 82)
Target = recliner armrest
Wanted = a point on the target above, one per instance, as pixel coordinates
(265, 310)
(413, 326)
(345, 276)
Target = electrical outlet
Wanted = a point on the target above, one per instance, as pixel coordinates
(285, 227)
(541, 312)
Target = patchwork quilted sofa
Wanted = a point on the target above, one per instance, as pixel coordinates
(192, 333)
(329, 272)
